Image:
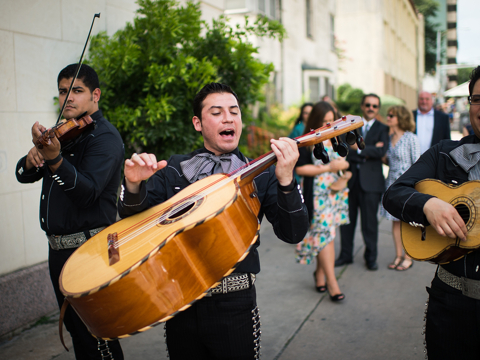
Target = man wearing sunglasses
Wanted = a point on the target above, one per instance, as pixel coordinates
(366, 185)
(431, 125)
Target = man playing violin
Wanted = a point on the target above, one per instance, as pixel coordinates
(225, 323)
(79, 191)
(453, 311)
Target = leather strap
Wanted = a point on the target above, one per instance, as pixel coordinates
(60, 321)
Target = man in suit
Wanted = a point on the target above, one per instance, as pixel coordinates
(431, 125)
(366, 185)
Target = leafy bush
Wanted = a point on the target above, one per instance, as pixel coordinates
(349, 99)
(151, 70)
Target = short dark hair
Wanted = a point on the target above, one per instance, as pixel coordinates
(86, 74)
(212, 88)
(371, 94)
(474, 76)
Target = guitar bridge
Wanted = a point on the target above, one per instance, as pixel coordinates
(113, 253)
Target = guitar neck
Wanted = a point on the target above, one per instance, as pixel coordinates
(330, 130)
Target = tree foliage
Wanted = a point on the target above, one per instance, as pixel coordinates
(151, 70)
(349, 99)
(429, 9)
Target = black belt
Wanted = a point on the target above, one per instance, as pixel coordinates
(232, 283)
(59, 242)
(468, 287)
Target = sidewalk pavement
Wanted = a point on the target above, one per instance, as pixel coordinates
(381, 317)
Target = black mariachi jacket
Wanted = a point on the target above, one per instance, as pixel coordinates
(82, 193)
(405, 203)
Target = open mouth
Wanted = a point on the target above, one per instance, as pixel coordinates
(227, 133)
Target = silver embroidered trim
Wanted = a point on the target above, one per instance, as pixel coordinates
(58, 242)
(234, 282)
(104, 350)
(468, 287)
(424, 330)
(256, 332)
(449, 279)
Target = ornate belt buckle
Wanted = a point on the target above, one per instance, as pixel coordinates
(470, 288)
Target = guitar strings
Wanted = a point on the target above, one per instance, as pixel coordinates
(154, 219)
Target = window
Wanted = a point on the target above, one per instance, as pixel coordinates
(314, 87)
(332, 32)
(309, 18)
(261, 6)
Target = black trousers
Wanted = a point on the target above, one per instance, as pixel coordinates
(85, 345)
(368, 203)
(223, 326)
(453, 324)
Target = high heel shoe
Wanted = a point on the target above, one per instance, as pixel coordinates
(322, 288)
(338, 297)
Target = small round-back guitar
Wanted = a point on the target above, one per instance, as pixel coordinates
(425, 244)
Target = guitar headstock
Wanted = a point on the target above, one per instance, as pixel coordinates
(345, 124)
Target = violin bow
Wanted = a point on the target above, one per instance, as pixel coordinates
(77, 70)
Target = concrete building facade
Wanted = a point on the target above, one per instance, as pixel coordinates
(383, 44)
(38, 38)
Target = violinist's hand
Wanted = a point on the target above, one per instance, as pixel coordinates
(34, 158)
(51, 151)
(37, 131)
(140, 167)
(445, 219)
(286, 150)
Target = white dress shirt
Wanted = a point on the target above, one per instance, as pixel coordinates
(425, 130)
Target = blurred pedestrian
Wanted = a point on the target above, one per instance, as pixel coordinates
(431, 125)
(299, 126)
(366, 185)
(402, 152)
(326, 197)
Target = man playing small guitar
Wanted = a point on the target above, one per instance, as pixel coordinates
(453, 313)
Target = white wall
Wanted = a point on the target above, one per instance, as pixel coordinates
(37, 38)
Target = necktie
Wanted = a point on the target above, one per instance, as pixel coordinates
(206, 164)
(467, 156)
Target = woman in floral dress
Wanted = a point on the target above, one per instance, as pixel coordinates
(326, 197)
(403, 151)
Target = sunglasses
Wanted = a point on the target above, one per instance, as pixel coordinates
(371, 105)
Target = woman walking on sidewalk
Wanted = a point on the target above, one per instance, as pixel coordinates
(403, 151)
(326, 197)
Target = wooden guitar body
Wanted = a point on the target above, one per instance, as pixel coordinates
(140, 291)
(441, 249)
(144, 269)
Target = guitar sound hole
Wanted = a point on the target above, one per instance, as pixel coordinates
(175, 214)
(464, 212)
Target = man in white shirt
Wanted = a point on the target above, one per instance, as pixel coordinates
(366, 185)
(431, 125)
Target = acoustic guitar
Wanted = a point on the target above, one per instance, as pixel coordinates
(425, 244)
(144, 269)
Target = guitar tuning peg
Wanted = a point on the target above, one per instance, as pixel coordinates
(320, 153)
(342, 148)
(335, 143)
(359, 140)
(350, 137)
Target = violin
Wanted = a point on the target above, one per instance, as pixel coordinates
(70, 129)
(65, 131)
